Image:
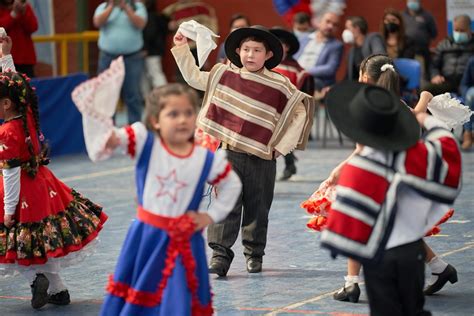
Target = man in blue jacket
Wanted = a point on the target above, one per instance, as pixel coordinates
(320, 53)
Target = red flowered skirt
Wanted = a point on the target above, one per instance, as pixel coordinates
(52, 220)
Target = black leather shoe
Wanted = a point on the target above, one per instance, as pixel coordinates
(219, 267)
(254, 265)
(288, 172)
(61, 298)
(39, 291)
(350, 293)
(449, 274)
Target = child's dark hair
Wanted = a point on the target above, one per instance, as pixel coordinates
(16, 87)
(238, 16)
(157, 98)
(386, 78)
(257, 39)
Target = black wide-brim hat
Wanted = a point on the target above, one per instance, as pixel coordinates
(287, 37)
(234, 39)
(372, 116)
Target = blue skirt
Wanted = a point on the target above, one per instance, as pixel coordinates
(140, 268)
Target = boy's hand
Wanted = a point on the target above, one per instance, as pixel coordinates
(9, 220)
(426, 96)
(179, 39)
(200, 219)
(7, 44)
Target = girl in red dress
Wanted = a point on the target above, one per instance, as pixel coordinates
(45, 224)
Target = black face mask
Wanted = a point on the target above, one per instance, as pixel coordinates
(391, 27)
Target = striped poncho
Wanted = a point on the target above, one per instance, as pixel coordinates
(252, 111)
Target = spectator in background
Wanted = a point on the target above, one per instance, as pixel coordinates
(19, 21)
(154, 43)
(290, 68)
(237, 21)
(302, 25)
(186, 10)
(363, 44)
(451, 57)
(120, 34)
(467, 91)
(420, 29)
(393, 32)
(320, 52)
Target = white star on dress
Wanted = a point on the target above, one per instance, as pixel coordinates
(170, 185)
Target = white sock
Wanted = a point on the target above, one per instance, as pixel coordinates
(56, 284)
(437, 265)
(351, 279)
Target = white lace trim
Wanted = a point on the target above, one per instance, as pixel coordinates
(53, 265)
(449, 110)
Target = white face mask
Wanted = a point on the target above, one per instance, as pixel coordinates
(299, 33)
(347, 37)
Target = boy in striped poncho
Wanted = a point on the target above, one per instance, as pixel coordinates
(390, 194)
(258, 115)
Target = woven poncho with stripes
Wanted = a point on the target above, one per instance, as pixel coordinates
(251, 111)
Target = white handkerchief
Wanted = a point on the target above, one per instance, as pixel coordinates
(449, 110)
(202, 36)
(97, 99)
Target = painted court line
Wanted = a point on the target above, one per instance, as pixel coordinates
(99, 174)
(293, 306)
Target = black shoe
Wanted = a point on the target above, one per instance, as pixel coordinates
(39, 291)
(449, 274)
(61, 298)
(288, 172)
(350, 293)
(219, 266)
(254, 265)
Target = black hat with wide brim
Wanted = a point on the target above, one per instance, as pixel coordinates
(235, 38)
(372, 116)
(288, 38)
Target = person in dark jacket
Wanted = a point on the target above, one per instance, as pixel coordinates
(420, 29)
(154, 43)
(451, 57)
(363, 44)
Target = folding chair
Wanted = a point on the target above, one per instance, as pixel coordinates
(410, 70)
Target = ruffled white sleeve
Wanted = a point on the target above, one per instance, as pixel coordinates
(11, 187)
(97, 99)
(6, 62)
(227, 184)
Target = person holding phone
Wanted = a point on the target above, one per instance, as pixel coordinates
(120, 25)
(20, 22)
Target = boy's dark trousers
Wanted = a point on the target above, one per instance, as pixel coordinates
(395, 286)
(258, 182)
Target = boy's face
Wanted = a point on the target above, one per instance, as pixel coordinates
(253, 55)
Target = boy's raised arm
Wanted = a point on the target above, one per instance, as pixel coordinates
(187, 65)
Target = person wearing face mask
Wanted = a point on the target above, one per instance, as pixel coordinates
(393, 32)
(420, 29)
(451, 57)
(302, 25)
(363, 44)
